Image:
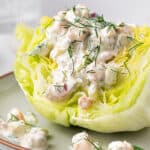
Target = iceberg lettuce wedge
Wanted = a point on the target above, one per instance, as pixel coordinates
(123, 107)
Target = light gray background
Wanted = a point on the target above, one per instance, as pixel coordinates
(30, 11)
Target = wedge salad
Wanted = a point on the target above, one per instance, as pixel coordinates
(79, 69)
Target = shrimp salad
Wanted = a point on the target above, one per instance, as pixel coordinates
(21, 128)
(84, 46)
(83, 141)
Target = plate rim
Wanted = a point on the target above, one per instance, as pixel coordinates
(6, 74)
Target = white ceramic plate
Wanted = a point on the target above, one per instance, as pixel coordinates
(11, 96)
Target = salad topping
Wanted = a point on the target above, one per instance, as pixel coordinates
(21, 129)
(82, 141)
(84, 46)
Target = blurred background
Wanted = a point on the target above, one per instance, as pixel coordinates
(30, 11)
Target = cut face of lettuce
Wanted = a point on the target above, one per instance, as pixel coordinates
(127, 104)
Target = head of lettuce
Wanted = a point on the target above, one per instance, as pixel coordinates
(126, 106)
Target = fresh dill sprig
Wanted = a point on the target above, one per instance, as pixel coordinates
(96, 146)
(137, 147)
(135, 46)
(122, 24)
(97, 52)
(130, 38)
(65, 75)
(117, 71)
(74, 8)
(91, 71)
(37, 49)
(103, 23)
(95, 29)
(87, 60)
(70, 52)
(99, 22)
(14, 118)
(58, 88)
(125, 65)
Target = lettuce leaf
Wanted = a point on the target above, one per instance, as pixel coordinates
(124, 107)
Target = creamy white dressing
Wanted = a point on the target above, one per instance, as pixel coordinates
(84, 48)
(21, 128)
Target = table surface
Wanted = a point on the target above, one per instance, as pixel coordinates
(16, 11)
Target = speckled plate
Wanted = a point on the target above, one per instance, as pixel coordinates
(11, 96)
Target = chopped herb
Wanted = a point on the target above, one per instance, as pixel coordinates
(117, 71)
(70, 52)
(75, 41)
(65, 75)
(59, 88)
(100, 19)
(135, 46)
(89, 44)
(97, 52)
(66, 26)
(130, 38)
(88, 82)
(74, 8)
(111, 25)
(137, 148)
(84, 32)
(96, 32)
(91, 71)
(29, 124)
(125, 64)
(96, 145)
(87, 60)
(64, 13)
(37, 49)
(75, 25)
(122, 24)
(13, 118)
(77, 19)
(97, 22)
(72, 66)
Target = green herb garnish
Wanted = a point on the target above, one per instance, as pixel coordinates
(58, 88)
(74, 8)
(87, 60)
(137, 147)
(70, 52)
(13, 118)
(122, 24)
(125, 65)
(91, 71)
(135, 46)
(96, 32)
(65, 75)
(97, 52)
(37, 49)
(96, 145)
